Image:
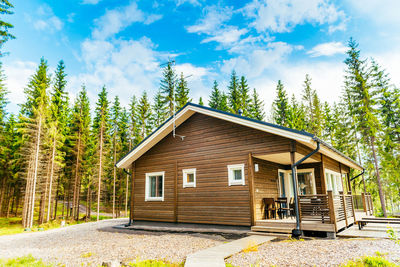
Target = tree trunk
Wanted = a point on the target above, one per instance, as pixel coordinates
(115, 174)
(90, 204)
(100, 171)
(378, 177)
(76, 182)
(35, 174)
(53, 155)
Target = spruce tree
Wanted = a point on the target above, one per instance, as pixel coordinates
(244, 97)
(35, 112)
(5, 35)
(280, 106)
(167, 87)
(234, 94)
(296, 116)
(57, 124)
(116, 143)
(358, 85)
(201, 101)
(159, 110)
(80, 137)
(215, 98)
(143, 117)
(182, 93)
(101, 125)
(133, 126)
(256, 107)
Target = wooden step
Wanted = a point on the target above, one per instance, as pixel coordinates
(276, 224)
(285, 235)
(287, 230)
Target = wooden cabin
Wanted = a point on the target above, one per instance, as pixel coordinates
(218, 168)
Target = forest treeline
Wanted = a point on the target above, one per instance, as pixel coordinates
(55, 151)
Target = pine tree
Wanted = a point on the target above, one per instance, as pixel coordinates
(116, 144)
(35, 111)
(256, 107)
(5, 9)
(101, 127)
(215, 98)
(167, 88)
(296, 116)
(234, 94)
(133, 125)
(182, 93)
(159, 110)
(201, 101)
(57, 124)
(80, 135)
(357, 83)
(244, 101)
(280, 106)
(4, 167)
(143, 117)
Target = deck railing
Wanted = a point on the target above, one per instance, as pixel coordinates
(337, 210)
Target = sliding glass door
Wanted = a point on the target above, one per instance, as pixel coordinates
(306, 182)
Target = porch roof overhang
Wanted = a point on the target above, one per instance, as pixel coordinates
(189, 109)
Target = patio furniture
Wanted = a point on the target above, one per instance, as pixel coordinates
(269, 208)
(282, 206)
(289, 209)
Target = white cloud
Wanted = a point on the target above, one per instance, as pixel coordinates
(226, 36)
(327, 49)
(18, 74)
(381, 11)
(284, 15)
(213, 19)
(192, 2)
(115, 20)
(47, 20)
(194, 73)
(254, 63)
(90, 2)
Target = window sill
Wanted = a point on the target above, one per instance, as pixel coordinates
(155, 199)
(236, 183)
(189, 185)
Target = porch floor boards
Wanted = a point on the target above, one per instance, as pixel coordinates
(287, 225)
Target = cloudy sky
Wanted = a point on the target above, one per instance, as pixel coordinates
(121, 44)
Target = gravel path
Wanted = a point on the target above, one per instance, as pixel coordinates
(316, 252)
(90, 244)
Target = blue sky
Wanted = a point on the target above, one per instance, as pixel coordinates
(121, 44)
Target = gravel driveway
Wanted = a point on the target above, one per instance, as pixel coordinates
(318, 252)
(94, 243)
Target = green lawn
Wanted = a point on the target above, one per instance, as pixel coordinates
(9, 226)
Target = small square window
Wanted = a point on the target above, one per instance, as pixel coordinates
(189, 177)
(236, 174)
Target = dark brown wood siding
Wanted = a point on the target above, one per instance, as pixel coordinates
(210, 145)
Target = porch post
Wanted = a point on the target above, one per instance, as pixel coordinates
(296, 231)
(250, 173)
(132, 192)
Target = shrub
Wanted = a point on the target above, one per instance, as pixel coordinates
(370, 261)
(23, 261)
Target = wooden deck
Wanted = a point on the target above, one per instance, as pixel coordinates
(287, 225)
(321, 212)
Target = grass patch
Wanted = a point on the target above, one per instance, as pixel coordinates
(13, 225)
(371, 261)
(23, 261)
(87, 255)
(293, 240)
(251, 246)
(155, 263)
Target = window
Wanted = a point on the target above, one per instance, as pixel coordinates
(333, 181)
(155, 186)
(305, 182)
(236, 174)
(189, 178)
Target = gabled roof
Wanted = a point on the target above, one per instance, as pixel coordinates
(189, 109)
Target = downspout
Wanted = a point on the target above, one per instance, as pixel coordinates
(130, 220)
(297, 232)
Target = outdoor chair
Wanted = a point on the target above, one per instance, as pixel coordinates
(269, 208)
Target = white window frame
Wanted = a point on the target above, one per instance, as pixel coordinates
(338, 181)
(185, 172)
(231, 180)
(289, 181)
(147, 186)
